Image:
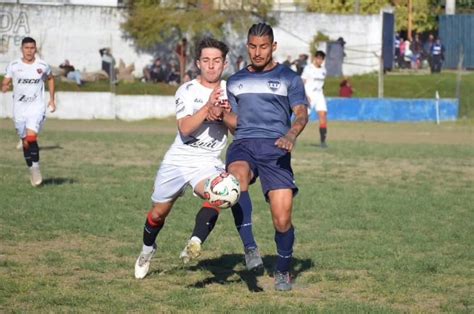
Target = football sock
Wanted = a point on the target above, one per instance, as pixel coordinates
(284, 243)
(151, 230)
(34, 151)
(242, 212)
(206, 219)
(27, 155)
(322, 133)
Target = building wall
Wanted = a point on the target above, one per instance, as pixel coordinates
(78, 32)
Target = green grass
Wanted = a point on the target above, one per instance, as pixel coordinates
(384, 224)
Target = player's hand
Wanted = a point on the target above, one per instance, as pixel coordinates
(286, 142)
(224, 104)
(215, 113)
(52, 105)
(216, 96)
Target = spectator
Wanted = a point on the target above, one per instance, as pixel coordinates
(239, 63)
(345, 89)
(301, 63)
(173, 75)
(407, 55)
(155, 72)
(417, 49)
(108, 63)
(427, 48)
(397, 43)
(437, 56)
(71, 73)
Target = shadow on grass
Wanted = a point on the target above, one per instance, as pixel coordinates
(51, 147)
(58, 181)
(222, 269)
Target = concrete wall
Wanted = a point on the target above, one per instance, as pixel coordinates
(78, 32)
(87, 106)
(67, 32)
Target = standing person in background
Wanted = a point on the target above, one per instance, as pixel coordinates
(28, 74)
(108, 64)
(263, 97)
(437, 56)
(313, 77)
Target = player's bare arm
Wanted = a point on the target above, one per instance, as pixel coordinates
(288, 141)
(6, 84)
(189, 124)
(230, 120)
(52, 99)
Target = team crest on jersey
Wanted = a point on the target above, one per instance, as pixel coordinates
(39, 71)
(274, 85)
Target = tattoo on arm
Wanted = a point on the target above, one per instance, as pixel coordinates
(301, 113)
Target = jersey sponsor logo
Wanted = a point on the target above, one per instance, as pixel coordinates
(273, 85)
(198, 101)
(28, 81)
(195, 142)
(24, 98)
(39, 71)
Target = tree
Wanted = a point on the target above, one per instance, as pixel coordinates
(152, 22)
(424, 11)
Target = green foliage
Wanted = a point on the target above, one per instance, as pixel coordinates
(318, 38)
(151, 22)
(424, 11)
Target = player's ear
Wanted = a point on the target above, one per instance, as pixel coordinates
(274, 46)
(198, 64)
(226, 63)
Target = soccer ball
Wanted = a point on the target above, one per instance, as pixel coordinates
(222, 190)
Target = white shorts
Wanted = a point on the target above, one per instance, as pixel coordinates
(318, 102)
(32, 122)
(171, 181)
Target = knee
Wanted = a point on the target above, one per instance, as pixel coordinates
(156, 216)
(242, 173)
(282, 224)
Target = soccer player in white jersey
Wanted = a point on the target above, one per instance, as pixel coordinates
(313, 77)
(28, 75)
(194, 156)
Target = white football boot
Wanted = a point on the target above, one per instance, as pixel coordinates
(142, 265)
(191, 251)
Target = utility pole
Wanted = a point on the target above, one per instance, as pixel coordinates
(356, 6)
(450, 7)
(410, 19)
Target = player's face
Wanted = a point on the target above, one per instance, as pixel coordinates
(211, 63)
(318, 61)
(260, 51)
(28, 50)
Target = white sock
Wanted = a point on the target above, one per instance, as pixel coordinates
(147, 249)
(196, 239)
(35, 164)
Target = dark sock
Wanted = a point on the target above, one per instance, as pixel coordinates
(284, 243)
(34, 151)
(242, 212)
(206, 219)
(322, 133)
(151, 230)
(27, 155)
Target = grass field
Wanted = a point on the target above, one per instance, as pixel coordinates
(384, 221)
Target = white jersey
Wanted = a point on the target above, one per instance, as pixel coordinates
(28, 86)
(206, 143)
(314, 79)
